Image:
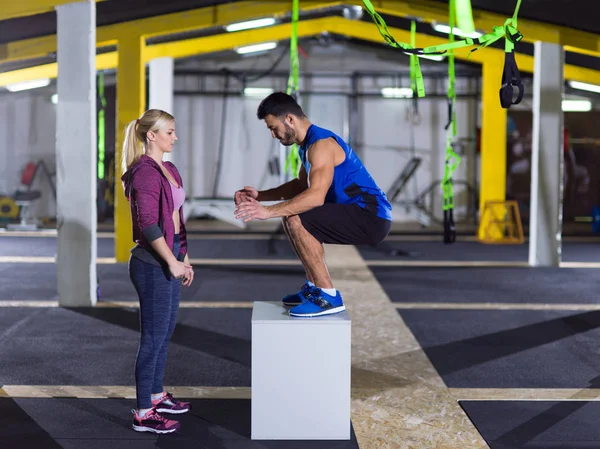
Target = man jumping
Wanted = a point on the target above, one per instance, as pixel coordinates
(333, 200)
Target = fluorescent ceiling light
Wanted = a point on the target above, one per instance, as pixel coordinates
(354, 12)
(397, 92)
(433, 57)
(443, 28)
(25, 85)
(585, 86)
(255, 48)
(247, 25)
(257, 91)
(576, 105)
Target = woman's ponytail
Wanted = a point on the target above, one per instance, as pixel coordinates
(132, 146)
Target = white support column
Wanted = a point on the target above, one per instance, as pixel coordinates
(545, 226)
(160, 95)
(76, 154)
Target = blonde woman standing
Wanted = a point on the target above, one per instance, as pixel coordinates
(159, 263)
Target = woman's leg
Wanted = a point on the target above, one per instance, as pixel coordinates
(154, 292)
(161, 360)
(174, 295)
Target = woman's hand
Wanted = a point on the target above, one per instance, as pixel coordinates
(180, 270)
(189, 276)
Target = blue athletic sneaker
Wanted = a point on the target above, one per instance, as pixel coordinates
(319, 303)
(299, 297)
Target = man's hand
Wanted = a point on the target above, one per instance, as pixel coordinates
(250, 209)
(245, 194)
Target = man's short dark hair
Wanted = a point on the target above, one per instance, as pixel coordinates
(279, 104)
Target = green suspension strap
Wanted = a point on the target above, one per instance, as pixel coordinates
(292, 163)
(452, 159)
(414, 64)
(464, 16)
(414, 116)
(416, 76)
(509, 31)
(101, 127)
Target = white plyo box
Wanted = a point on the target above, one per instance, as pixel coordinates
(300, 375)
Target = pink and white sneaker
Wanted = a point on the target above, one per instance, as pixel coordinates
(153, 422)
(168, 404)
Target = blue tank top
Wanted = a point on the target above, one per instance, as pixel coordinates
(352, 183)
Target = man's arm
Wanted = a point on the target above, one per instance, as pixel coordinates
(321, 156)
(285, 191)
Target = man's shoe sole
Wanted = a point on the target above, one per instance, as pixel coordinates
(323, 312)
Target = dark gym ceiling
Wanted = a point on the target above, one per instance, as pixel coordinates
(577, 14)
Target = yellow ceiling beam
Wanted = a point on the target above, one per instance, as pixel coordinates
(41, 47)
(104, 61)
(215, 16)
(338, 25)
(429, 11)
(220, 15)
(23, 8)
(193, 20)
(367, 31)
(228, 41)
(181, 49)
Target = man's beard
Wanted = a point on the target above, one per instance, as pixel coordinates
(289, 136)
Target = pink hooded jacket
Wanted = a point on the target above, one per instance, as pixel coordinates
(151, 203)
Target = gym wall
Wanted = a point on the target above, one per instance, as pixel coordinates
(381, 137)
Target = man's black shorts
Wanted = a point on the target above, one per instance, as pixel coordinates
(345, 224)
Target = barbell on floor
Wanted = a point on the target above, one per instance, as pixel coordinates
(594, 219)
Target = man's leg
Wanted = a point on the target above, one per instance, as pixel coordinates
(309, 250)
(295, 248)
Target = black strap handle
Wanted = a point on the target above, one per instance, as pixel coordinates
(510, 77)
(449, 227)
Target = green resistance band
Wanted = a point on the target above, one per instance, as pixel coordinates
(101, 127)
(509, 31)
(452, 159)
(414, 74)
(414, 62)
(464, 16)
(292, 163)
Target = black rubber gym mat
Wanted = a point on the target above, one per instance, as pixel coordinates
(98, 346)
(45, 247)
(71, 423)
(279, 248)
(27, 281)
(489, 284)
(197, 248)
(510, 349)
(475, 251)
(536, 424)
